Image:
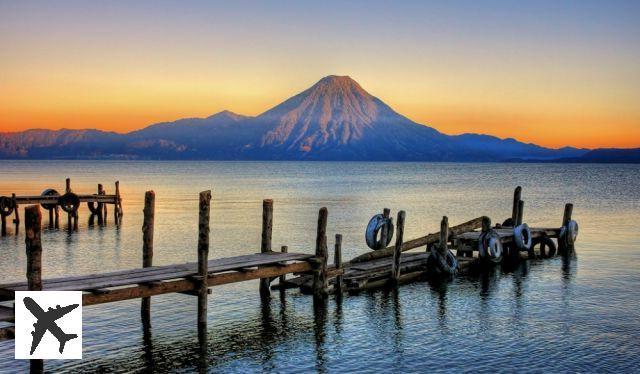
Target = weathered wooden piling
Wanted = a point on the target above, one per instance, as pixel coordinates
(384, 233)
(320, 271)
(444, 235)
(33, 222)
(486, 224)
(397, 253)
(203, 264)
(265, 245)
(117, 208)
(520, 215)
(16, 212)
(517, 193)
(69, 215)
(563, 245)
(99, 208)
(147, 246)
(337, 262)
(283, 277)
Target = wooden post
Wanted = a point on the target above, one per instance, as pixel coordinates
(395, 265)
(337, 261)
(147, 246)
(486, 224)
(444, 236)
(117, 208)
(69, 215)
(283, 277)
(99, 206)
(51, 219)
(566, 217)
(104, 208)
(320, 274)
(386, 212)
(16, 212)
(203, 264)
(56, 211)
(568, 212)
(520, 213)
(32, 222)
(265, 246)
(3, 229)
(516, 198)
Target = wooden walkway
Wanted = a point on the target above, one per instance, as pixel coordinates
(116, 286)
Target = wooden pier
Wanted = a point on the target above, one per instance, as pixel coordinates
(476, 242)
(69, 202)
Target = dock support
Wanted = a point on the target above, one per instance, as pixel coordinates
(147, 248)
(563, 246)
(283, 277)
(520, 215)
(117, 207)
(100, 206)
(386, 212)
(337, 261)
(69, 216)
(203, 265)
(16, 212)
(33, 221)
(3, 229)
(265, 246)
(320, 272)
(516, 199)
(56, 212)
(444, 235)
(397, 252)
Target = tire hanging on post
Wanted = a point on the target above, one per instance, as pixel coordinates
(490, 247)
(377, 223)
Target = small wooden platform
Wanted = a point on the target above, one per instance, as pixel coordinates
(101, 287)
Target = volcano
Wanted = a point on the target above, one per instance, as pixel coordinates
(335, 119)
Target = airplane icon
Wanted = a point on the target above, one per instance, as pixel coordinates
(47, 321)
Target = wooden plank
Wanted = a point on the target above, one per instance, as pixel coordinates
(165, 273)
(184, 285)
(153, 270)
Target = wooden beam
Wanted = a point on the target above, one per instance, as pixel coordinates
(419, 242)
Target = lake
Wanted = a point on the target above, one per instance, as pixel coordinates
(579, 314)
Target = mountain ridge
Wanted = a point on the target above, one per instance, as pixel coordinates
(334, 119)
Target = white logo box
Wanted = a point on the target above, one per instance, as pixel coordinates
(65, 326)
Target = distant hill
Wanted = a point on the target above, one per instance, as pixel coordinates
(335, 119)
(607, 155)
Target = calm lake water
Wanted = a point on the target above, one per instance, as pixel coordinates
(580, 315)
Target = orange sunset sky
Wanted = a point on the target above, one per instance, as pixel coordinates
(548, 73)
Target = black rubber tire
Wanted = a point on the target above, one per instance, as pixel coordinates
(92, 207)
(69, 202)
(549, 244)
(6, 205)
(442, 266)
(49, 192)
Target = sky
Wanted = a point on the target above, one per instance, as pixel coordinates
(554, 73)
